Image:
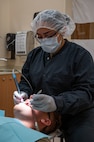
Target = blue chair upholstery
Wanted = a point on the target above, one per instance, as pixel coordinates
(2, 113)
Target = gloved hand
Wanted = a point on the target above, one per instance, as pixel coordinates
(19, 97)
(43, 103)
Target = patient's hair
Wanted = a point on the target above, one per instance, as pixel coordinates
(55, 123)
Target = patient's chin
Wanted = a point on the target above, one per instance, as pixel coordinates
(22, 111)
(20, 106)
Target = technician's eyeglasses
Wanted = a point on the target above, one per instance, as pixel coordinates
(45, 35)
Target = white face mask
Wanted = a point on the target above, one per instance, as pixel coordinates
(49, 45)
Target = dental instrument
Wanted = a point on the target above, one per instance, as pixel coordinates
(39, 92)
(25, 79)
(17, 86)
(16, 83)
(15, 80)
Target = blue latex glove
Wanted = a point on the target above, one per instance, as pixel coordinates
(43, 103)
(18, 98)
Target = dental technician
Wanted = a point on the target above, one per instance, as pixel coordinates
(64, 71)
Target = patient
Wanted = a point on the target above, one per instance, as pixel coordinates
(17, 129)
(47, 122)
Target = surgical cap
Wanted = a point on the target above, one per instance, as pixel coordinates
(54, 20)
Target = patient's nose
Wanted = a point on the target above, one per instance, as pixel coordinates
(27, 102)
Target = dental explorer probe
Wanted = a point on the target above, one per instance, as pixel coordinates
(39, 92)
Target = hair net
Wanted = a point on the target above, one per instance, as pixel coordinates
(53, 19)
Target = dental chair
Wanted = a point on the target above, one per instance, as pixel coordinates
(2, 113)
(57, 134)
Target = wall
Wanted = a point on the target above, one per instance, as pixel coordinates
(16, 15)
(68, 7)
(4, 25)
(23, 10)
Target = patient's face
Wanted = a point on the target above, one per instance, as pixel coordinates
(23, 111)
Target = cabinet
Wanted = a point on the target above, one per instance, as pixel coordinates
(7, 87)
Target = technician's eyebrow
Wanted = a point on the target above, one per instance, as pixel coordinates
(47, 34)
(50, 31)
